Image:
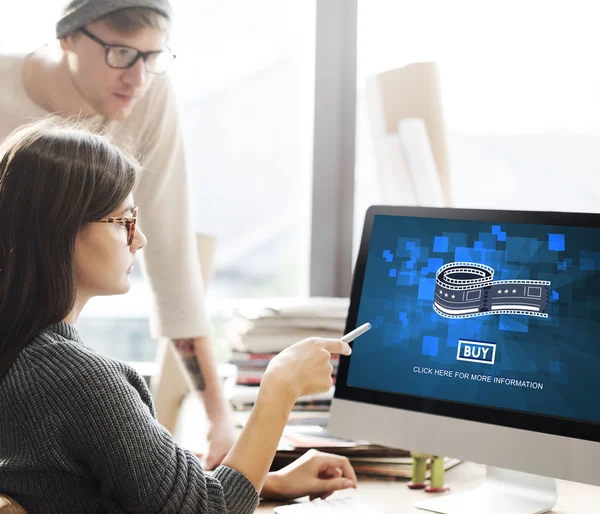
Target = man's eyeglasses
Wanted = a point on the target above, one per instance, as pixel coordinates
(123, 57)
(129, 222)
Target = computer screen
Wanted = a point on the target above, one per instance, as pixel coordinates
(485, 338)
(489, 313)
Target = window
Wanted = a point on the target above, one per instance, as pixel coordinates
(245, 80)
(17, 35)
(521, 96)
(244, 75)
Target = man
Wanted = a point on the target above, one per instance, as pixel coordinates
(108, 70)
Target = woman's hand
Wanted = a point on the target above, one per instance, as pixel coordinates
(315, 474)
(304, 368)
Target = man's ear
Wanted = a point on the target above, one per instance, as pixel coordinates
(66, 43)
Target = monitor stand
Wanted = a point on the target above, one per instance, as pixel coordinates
(501, 492)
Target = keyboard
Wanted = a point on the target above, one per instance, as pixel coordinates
(345, 505)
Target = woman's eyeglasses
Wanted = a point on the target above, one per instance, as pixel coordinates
(124, 57)
(129, 222)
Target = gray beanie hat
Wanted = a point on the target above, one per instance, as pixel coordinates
(78, 13)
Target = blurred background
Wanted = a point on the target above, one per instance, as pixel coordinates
(260, 82)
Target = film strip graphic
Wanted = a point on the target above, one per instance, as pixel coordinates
(468, 289)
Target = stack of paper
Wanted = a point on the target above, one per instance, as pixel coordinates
(244, 397)
(270, 326)
(366, 459)
(259, 330)
(303, 433)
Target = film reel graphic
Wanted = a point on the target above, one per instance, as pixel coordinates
(468, 289)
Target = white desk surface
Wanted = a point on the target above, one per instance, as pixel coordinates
(393, 497)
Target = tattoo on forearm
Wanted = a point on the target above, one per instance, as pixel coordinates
(187, 352)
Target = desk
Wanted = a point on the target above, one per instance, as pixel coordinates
(393, 497)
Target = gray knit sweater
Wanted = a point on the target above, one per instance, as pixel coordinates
(78, 434)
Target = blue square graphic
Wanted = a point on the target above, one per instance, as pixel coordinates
(556, 242)
(513, 323)
(426, 289)
(488, 241)
(430, 346)
(590, 261)
(433, 264)
(405, 278)
(440, 244)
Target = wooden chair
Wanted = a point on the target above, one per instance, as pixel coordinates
(10, 506)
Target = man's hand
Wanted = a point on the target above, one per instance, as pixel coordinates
(221, 437)
(199, 362)
(315, 474)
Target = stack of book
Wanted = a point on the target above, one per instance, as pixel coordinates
(300, 435)
(265, 327)
(257, 332)
(243, 399)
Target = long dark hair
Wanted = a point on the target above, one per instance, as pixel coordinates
(54, 178)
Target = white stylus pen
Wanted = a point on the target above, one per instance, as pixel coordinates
(359, 331)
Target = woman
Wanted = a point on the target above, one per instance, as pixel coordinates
(77, 430)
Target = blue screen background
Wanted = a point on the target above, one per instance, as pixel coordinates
(562, 351)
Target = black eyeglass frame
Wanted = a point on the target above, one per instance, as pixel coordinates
(144, 55)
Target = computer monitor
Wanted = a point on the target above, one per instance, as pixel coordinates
(484, 346)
